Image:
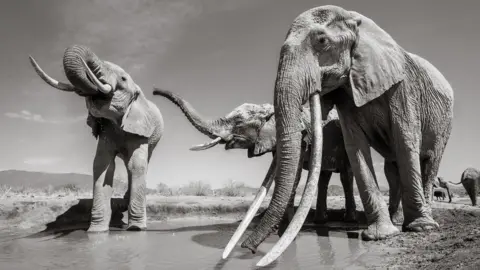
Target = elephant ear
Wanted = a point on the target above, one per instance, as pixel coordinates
(378, 62)
(267, 140)
(136, 119)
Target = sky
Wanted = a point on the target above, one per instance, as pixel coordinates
(218, 54)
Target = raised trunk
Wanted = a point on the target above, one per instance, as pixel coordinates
(288, 104)
(74, 70)
(211, 128)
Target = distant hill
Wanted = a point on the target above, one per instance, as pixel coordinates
(18, 178)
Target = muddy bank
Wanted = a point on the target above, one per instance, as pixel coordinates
(455, 246)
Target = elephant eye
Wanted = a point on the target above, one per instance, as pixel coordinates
(124, 78)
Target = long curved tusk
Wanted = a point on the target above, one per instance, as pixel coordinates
(310, 187)
(257, 202)
(206, 145)
(104, 88)
(49, 80)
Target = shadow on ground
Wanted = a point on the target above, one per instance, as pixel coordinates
(77, 217)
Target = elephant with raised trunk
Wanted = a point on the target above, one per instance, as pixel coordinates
(386, 98)
(125, 123)
(252, 127)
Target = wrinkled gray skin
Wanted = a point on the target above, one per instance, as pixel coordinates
(439, 194)
(470, 180)
(126, 125)
(252, 127)
(441, 183)
(387, 98)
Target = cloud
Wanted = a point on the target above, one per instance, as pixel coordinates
(134, 31)
(41, 161)
(29, 116)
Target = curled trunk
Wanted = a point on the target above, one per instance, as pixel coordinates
(75, 71)
(211, 128)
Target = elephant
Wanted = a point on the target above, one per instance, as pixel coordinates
(125, 123)
(252, 127)
(387, 98)
(441, 183)
(439, 194)
(470, 180)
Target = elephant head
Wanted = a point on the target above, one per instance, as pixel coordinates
(249, 126)
(109, 90)
(329, 55)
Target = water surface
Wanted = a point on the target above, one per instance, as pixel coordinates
(180, 245)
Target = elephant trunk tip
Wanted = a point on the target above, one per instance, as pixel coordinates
(248, 245)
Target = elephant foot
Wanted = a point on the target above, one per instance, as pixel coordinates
(350, 216)
(98, 228)
(137, 226)
(397, 218)
(421, 224)
(320, 217)
(379, 231)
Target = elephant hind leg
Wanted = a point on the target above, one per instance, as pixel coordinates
(321, 207)
(346, 177)
(471, 186)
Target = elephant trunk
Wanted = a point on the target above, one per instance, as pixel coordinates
(212, 128)
(75, 70)
(291, 82)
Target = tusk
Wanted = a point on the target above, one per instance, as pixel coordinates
(206, 145)
(257, 202)
(104, 88)
(310, 187)
(51, 81)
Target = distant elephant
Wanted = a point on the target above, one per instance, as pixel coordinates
(439, 194)
(470, 180)
(386, 98)
(125, 123)
(252, 127)
(440, 183)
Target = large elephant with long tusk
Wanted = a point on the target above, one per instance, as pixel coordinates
(252, 127)
(386, 98)
(125, 123)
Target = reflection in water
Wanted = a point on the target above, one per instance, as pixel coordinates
(173, 245)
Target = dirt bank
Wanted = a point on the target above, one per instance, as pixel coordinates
(455, 246)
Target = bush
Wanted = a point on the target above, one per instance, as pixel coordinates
(197, 188)
(232, 189)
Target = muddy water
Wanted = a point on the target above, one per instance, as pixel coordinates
(179, 245)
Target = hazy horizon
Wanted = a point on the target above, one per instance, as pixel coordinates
(216, 54)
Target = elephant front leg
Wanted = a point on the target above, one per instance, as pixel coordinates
(321, 216)
(103, 171)
(346, 177)
(395, 210)
(376, 211)
(137, 166)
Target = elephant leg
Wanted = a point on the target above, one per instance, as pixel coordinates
(137, 165)
(471, 188)
(359, 155)
(416, 187)
(346, 177)
(321, 208)
(103, 172)
(395, 192)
